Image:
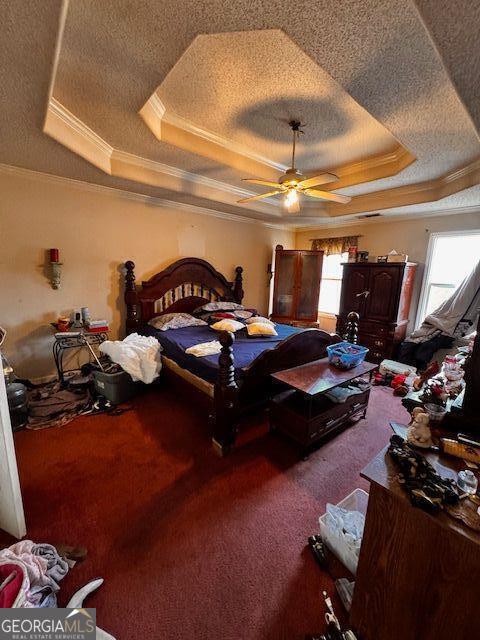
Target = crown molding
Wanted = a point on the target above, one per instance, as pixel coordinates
(332, 223)
(418, 193)
(70, 131)
(62, 125)
(66, 128)
(194, 209)
(175, 172)
(162, 203)
(374, 168)
(169, 127)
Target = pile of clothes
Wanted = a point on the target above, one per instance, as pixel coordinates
(30, 574)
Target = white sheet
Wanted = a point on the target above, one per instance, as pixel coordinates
(137, 355)
(464, 303)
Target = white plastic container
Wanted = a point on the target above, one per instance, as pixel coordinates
(355, 501)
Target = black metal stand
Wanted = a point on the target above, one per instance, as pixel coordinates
(63, 344)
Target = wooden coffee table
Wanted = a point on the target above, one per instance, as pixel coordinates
(304, 413)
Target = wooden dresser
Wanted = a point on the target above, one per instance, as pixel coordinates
(381, 295)
(418, 575)
(296, 286)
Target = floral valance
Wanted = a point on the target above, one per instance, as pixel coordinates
(334, 245)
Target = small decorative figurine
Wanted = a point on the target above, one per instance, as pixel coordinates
(418, 433)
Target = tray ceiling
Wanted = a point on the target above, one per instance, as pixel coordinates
(183, 109)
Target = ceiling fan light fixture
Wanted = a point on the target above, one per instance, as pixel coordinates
(291, 198)
(293, 182)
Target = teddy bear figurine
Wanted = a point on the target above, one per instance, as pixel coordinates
(418, 433)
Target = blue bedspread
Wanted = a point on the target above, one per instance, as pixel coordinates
(245, 349)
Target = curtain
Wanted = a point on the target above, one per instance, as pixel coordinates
(334, 245)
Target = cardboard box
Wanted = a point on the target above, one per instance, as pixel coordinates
(397, 257)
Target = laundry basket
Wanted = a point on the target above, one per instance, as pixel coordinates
(355, 501)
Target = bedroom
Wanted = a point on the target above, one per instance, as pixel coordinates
(83, 170)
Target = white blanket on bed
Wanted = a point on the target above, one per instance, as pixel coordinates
(204, 349)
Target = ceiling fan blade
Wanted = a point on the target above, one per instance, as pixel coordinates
(326, 195)
(322, 178)
(264, 183)
(259, 197)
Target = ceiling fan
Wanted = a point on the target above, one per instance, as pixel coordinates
(292, 183)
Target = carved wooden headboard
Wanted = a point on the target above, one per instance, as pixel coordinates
(183, 286)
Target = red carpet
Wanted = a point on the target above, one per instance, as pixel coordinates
(192, 546)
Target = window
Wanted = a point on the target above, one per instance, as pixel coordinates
(450, 258)
(331, 282)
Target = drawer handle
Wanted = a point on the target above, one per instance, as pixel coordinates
(357, 405)
(363, 294)
(329, 422)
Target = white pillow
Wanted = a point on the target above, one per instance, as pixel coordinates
(218, 306)
(176, 321)
(243, 314)
(261, 329)
(257, 319)
(228, 325)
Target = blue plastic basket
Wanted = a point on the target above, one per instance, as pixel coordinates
(346, 355)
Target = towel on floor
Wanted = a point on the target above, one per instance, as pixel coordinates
(204, 349)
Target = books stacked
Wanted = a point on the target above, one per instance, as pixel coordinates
(97, 326)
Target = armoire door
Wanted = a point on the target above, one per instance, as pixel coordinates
(354, 289)
(308, 284)
(382, 300)
(284, 300)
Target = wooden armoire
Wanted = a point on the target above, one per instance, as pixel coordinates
(381, 294)
(296, 287)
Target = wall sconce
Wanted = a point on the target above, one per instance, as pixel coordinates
(56, 268)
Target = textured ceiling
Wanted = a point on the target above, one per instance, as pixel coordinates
(246, 86)
(380, 64)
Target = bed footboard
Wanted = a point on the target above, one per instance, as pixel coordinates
(225, 414)
(255, 388)
(298, 349)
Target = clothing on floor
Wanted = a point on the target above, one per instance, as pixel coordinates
(57, 567)
(51, 406)
(43, 568)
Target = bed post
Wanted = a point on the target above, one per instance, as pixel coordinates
(131, 299)
(351, 330)
(238, 285)
(224, 416)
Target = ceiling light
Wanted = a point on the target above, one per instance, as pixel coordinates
(293, 182)
(291, 198)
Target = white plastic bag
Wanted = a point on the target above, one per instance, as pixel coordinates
(137, 355)
(346, 525)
